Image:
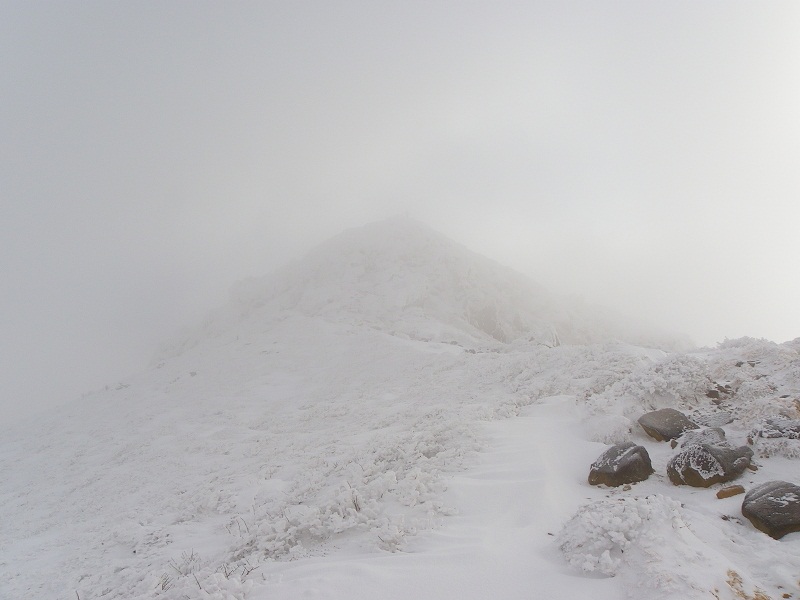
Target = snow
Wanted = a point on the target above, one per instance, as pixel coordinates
(394, 417)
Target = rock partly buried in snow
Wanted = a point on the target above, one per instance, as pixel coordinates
(776, 436)
(620, 464)
(716, 418)
(713, 435)
(719, 393)
(774, 508)
(731, 490)
(778, 428)
(704, 465)
(665, 424)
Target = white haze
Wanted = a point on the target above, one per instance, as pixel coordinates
(641, 156)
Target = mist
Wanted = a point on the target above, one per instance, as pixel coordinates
(639, 156)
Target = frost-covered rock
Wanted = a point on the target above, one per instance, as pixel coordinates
(666, 424)
(778, 428)
(774, 508)
(720, 392)
(703, 465)
(621, 464)
(776, 436)
(712, 435)
(713, 418)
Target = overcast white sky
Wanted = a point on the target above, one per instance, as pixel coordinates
(645, 155)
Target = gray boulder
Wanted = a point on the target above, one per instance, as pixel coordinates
(666, 424)
(621, 464)
(774, 508)
(703, 465)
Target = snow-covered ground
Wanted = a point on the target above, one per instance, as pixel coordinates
(395, 417)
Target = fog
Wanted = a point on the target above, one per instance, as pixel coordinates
(640, 155)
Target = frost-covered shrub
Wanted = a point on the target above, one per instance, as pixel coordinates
(746, 344)
(207, 584)
(573, 370)
(754, 389)
(388, 488)
(603, 534)
(676, 381)
(760, 401)
(609, 429)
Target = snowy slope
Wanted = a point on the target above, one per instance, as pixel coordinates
(393, 416)
(402, 277)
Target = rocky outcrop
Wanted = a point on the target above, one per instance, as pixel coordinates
(704, 465)
(621, 464)
(666, 424)
(774, 508)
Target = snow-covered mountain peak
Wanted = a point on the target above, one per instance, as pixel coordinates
(401, 276)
